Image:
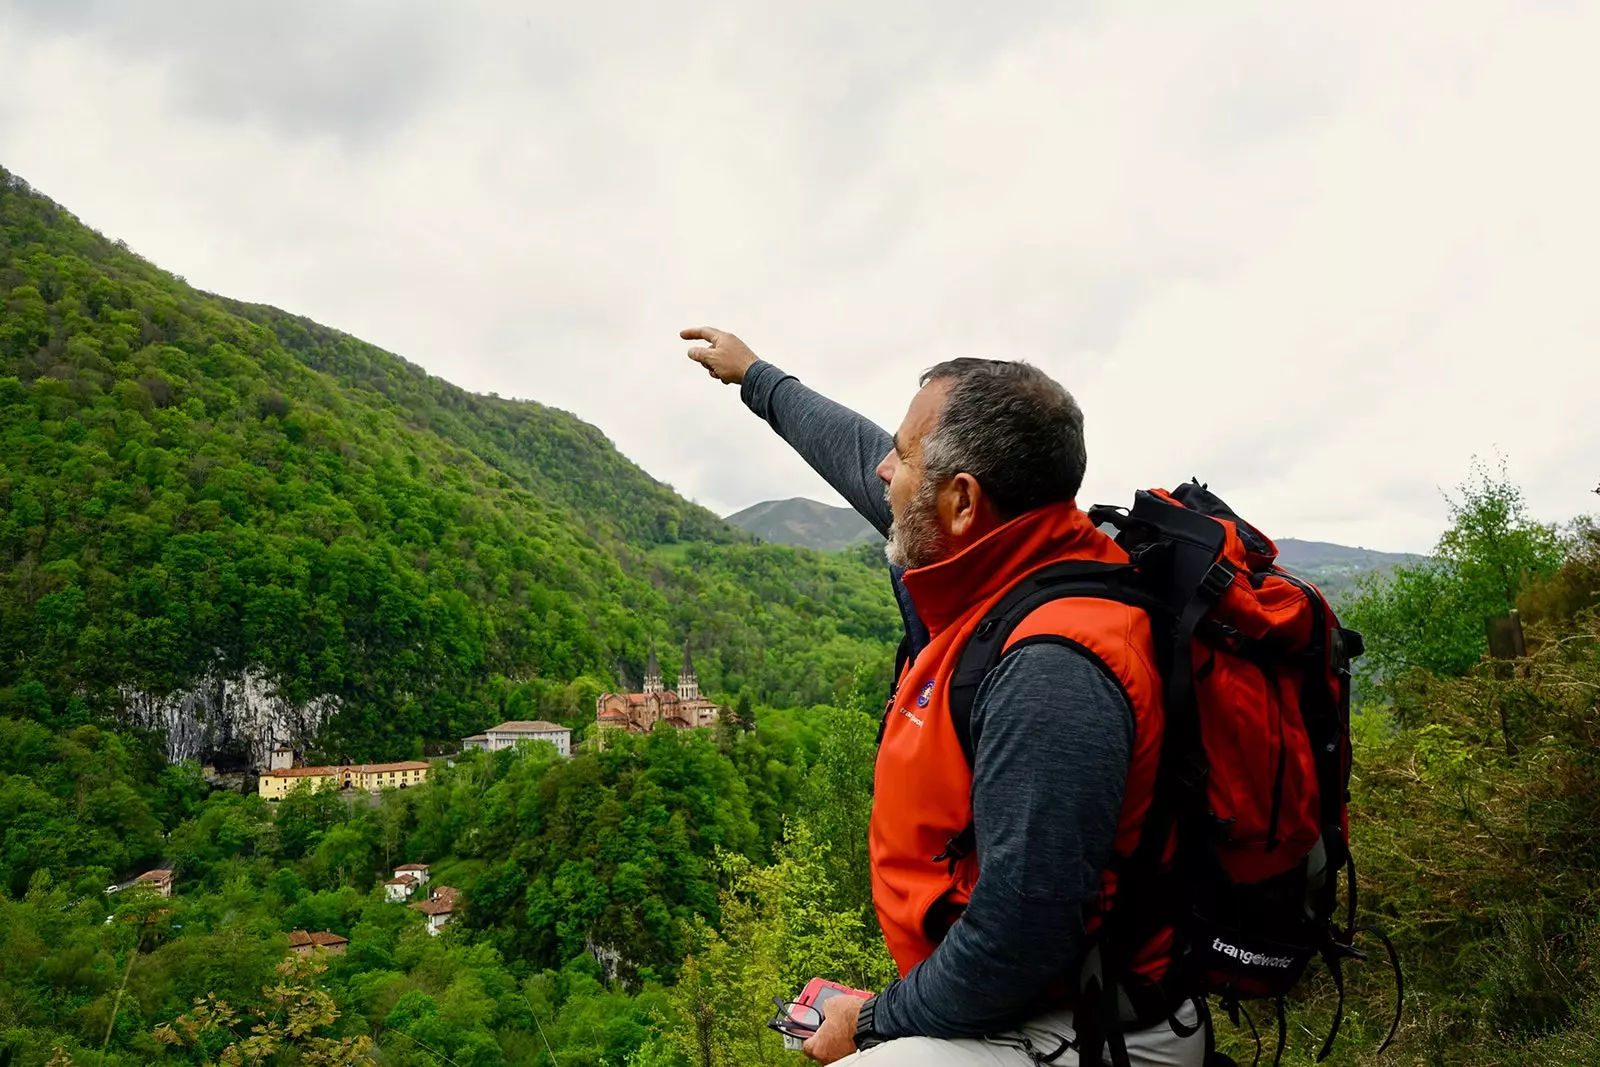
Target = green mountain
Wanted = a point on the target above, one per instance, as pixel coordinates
(237, 525)
(805, 524)
(1335, 569)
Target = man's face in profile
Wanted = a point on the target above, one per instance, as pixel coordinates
(915, 536)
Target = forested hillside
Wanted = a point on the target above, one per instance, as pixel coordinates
(713, 870)
(194, 491)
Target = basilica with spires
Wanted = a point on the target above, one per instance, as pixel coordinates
(683, 708)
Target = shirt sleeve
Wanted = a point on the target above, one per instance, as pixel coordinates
(1052, 741)
(839, 444)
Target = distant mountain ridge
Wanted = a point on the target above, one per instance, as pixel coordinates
(805, 523)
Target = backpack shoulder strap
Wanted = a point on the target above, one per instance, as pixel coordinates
(987, 645)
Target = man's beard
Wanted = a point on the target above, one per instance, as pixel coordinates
(915, 539)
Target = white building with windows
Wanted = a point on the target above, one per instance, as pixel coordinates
(507, 734)
(418, 872)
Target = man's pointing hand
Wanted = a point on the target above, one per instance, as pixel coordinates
(726, 360)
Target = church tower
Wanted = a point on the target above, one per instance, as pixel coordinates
(652, 672)
(688, 686)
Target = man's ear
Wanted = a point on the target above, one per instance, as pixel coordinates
(961, 505)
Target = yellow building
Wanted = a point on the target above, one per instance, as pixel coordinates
(372, 777)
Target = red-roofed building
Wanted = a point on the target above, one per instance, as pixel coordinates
(439, 907)
(275, 785)
(304, 943)
(160, 880)
(419, 871)
(683, 709)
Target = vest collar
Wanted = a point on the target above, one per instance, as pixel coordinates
(944, 592)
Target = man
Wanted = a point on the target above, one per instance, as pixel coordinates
(990, 876)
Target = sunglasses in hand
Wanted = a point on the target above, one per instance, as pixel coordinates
(795, 1019)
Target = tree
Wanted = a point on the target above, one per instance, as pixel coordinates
(1432, 614)
(295, 1010)
(781, 926)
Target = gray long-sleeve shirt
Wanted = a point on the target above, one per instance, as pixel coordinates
(1052, 740)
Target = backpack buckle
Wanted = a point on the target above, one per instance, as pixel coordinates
(1218, 578)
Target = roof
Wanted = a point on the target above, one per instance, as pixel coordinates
(412, 867)
(612, 716)
(441, 902)
(476, 737)
(160, 874)
(300, 938)
(354, 768)
(404, 879)
(525, 726)
(667, 695)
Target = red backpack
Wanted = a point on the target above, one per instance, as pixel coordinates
(1255, 762)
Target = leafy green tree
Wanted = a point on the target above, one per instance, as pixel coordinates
(1433, 615)
(781, 926)
(296, 1009)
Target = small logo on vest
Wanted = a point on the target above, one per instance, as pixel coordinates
(1251, 959)
(924, 696)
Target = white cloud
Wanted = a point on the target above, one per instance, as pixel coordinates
(1318, 257)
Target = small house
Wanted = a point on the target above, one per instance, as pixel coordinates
(439, 908)
(304, 943)
(398, 890)
(160, 880)
(416, 871)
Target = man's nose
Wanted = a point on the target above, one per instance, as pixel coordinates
(887, 468)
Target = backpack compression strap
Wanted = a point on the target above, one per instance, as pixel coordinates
(987, 645)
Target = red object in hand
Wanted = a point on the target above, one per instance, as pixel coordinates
(799, 1019)
(819, 989)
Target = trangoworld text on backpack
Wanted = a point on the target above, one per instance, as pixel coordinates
(1255, 762)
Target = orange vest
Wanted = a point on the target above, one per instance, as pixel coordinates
(923, 784)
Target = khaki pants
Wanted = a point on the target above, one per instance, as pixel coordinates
(1032, 1042)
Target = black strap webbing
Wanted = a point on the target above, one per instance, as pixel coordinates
(987, 645)
(1399, 982)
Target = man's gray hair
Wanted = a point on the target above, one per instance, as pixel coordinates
(1010, 426)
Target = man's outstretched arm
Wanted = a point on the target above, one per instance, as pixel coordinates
(841, 445)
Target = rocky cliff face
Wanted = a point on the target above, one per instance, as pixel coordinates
(234, 712)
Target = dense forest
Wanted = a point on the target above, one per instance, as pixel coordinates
(189, 485)
(193, 489)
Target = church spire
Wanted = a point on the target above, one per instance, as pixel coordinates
(688, 686)
(652, 672)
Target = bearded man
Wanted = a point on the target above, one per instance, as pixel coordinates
(994, 860)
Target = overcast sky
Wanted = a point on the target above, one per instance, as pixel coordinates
(1319, 256)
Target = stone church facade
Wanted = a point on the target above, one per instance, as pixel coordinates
(683, 708)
